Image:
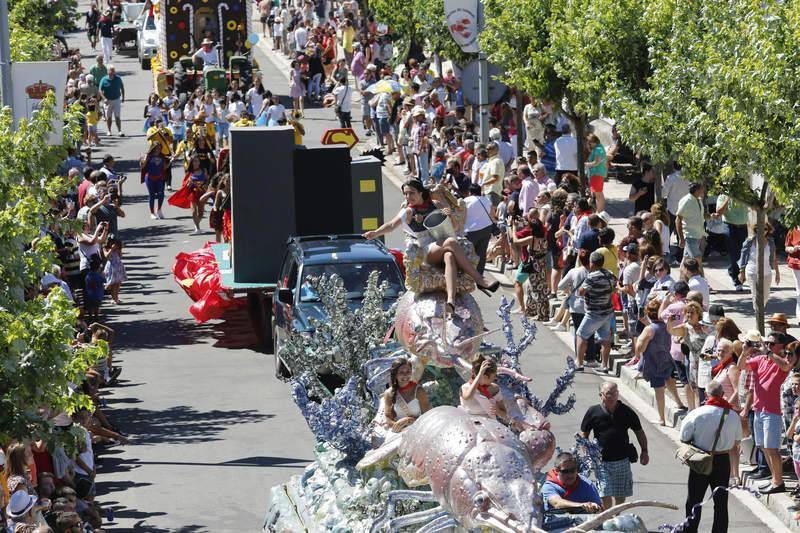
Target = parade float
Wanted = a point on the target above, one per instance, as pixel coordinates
(449, 470)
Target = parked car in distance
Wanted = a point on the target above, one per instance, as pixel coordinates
(146, 38)
(351, 257)
(126, 30)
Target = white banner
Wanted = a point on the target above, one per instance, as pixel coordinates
(31, 82)
(461, 17)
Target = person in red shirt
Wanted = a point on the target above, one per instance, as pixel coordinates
(90, 177)
(438, 106)
(769, 371)
(793, 251)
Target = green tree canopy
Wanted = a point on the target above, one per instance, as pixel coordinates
(37, 360)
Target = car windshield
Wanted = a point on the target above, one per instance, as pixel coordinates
(355, 277)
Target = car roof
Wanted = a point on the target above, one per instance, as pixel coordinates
(342, 250)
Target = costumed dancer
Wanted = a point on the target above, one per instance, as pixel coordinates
(449, 253)
(190, 194)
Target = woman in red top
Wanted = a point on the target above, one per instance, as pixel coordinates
(793, 251)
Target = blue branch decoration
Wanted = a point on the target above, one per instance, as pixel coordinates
(696, 509)
(562, 384)
(338, 420)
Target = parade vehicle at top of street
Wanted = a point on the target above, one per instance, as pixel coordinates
(182, 25)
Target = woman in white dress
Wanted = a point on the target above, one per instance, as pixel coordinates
(402, 403)
(748, 264)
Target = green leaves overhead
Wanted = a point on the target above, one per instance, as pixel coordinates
(37, 360)
(421, 22)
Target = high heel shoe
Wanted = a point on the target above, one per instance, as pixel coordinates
(490, 289)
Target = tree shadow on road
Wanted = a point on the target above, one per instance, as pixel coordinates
(160, 333)
(180, 424)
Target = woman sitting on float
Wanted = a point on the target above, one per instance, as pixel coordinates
(402, 403)
(448, 253)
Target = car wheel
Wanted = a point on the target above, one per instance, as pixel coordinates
(281, 371)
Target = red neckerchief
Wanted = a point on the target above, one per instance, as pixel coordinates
(423, 205)
(552, 476)
(408, 387)
(720, 367)
(718, 402)
(484, 389)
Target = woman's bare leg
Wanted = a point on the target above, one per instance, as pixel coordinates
(450, 276)
(520, 297)
(673, 391)
(451, 245)
(660, 404)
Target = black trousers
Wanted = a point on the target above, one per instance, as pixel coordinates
(698, 484)
(738, 234)
(480, 240)
(345, 120)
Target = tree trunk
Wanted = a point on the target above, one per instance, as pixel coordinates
(658, 170)
(521, 131)
(580, 134)
(761, 240)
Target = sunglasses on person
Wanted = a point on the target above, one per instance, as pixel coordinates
(772, 343)
(568, 470)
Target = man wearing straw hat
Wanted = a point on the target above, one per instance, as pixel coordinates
(779, 323)
(206, 54)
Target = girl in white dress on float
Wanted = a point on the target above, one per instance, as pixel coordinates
(402, 403)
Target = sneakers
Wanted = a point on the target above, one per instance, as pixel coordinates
(763, 474)
(739, 287)
(550, 323)
(160, 214)
(169, 188)
(558, 327)
(153, 216)
(602, 371)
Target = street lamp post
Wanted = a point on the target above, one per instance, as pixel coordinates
(5, 56)
(483, 83)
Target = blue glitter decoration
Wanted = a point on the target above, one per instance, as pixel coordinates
(562, 384)
(341, 420)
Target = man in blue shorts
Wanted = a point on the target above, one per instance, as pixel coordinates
(596, 291)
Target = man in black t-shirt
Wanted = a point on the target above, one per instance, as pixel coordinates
(610, 420)
(643, 192)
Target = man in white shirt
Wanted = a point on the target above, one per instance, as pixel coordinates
(300, 38)
(207, 55)
(343, 95)
(566, 148)
(505, 150)
(674, 188)
(479, 222)
(699, 428)
(529, 190)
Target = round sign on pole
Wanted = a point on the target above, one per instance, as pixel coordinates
(469, 83)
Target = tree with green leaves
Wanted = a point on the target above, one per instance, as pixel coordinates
(38, 363)
(571, 52)
(721, 99)
(420, 24)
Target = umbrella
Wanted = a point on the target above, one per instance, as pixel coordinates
(385, 86)
(602, 128)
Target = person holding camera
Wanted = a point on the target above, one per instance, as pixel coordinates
(768, 364)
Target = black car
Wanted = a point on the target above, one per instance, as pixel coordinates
(352, 257)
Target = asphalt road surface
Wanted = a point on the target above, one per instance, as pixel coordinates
(211, 428)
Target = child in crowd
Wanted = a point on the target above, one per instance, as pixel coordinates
(93, 291)
(92, 118)
(114, 270)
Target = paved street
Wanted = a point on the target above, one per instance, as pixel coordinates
(211, 428)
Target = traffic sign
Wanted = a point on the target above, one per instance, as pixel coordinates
(340, 136)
